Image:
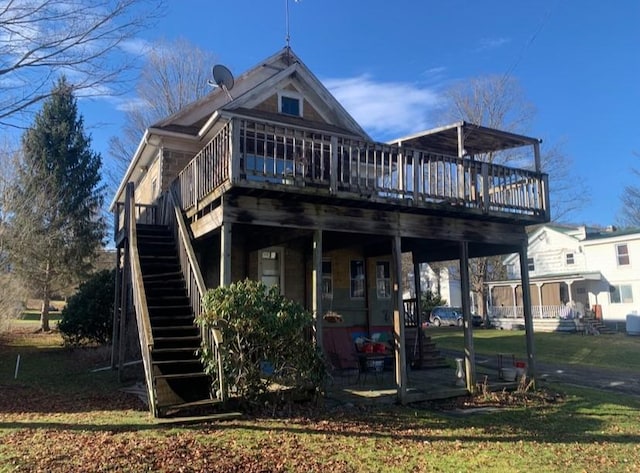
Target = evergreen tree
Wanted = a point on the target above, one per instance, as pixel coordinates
(54, 239)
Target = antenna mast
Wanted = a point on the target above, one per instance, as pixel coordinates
(286, 21)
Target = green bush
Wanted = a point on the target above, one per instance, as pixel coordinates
(88, 315)
(267, 338)
(429, 300)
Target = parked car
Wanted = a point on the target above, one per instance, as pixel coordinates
(451, 316)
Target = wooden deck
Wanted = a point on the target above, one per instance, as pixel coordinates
(262, 156)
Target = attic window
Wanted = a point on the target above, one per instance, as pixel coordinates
(290, 104)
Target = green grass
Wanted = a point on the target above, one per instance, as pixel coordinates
(603, 351)
(59, 416)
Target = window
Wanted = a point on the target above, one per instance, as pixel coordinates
(327, 279)
(383, 280)
(357, 279)
(271, 268)
(570, 258)
(621, 294)
(622, 252)
(290, 105)
(530, 265)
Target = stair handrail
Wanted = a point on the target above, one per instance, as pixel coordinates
(193, 277)
(141, 308)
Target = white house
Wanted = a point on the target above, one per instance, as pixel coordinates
(574, 270)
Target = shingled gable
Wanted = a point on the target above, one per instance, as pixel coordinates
(257, 90)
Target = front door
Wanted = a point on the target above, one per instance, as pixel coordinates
(271, 267)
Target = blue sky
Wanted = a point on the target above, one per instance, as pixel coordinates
(389, 62)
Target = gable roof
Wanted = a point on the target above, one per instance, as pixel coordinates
(256, 85)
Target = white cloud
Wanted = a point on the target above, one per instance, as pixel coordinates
(492, 43)
(136, 46)
(130, 104)
(386, 109)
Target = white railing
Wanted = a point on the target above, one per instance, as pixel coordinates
(538, 312)
(252, 152)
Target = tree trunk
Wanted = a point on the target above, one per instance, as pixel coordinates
(46, 299)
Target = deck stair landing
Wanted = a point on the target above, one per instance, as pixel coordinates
(180, 382)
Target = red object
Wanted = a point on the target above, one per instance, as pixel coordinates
(379, 348)
(520, 364)
(367, 348)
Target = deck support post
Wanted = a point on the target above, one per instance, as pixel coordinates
(115, 335)
(528, 315)
(225, 254)
(317, 288)
(126, 280)
(418, 292)
(398, 321)
(469, 352)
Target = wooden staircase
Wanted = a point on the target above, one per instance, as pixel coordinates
(593, 326)
(179, 380)
(431, 357)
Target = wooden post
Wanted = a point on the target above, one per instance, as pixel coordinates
(126, 279)
(536, 156)
(234, 150)
(115, 336)
(317, 288)
(469, 352)
(225, 254)
(528, 316)
(398, 321)
(333, 165)
(418, 292)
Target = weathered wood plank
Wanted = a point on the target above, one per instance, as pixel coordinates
(296, 214)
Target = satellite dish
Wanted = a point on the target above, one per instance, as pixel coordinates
(223, 78)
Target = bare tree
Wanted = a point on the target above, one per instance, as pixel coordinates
(41, 40)
(175, 74)
(630, 212)
(499, 102)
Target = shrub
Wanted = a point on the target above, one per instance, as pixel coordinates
(88, 315)
(429, 300)
(266, 339)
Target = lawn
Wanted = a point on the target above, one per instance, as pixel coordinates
(619, 350)
(58, 416)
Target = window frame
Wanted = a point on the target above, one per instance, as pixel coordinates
(624, 256)
(280, 258)
(570, 258)
(531, 264)
(327, 277)
(357, 280)
(292, 96)
(616, 296)
(385, 280)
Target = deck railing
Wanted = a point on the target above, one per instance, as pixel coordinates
(256, 153)
(538, 312)
(145, 334)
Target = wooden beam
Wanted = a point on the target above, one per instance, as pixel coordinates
(398, 321)
(528, 316)
(289, 213)
(317, 288)
(208, 223)
(469, 352)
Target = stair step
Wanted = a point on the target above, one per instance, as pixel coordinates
(175, 328)
(165, 320)
(200, 374)
(179, 353)
(188, 405)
